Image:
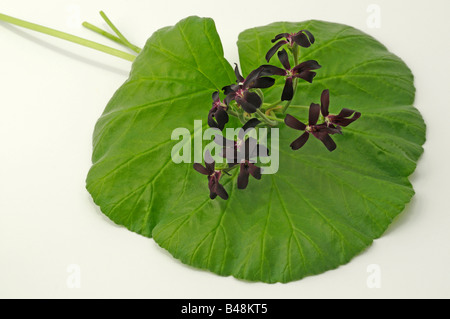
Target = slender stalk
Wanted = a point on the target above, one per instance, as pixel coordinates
(102, 32)
(261, 95)
(67, 37)
(119, 34)
(233, 113)
(300, 106)
(241, 118)
(266, 119)
(229, 169)
(273, 104)
(275, 118)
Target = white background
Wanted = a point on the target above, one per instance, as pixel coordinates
(52, 92)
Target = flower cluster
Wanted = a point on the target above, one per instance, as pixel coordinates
(245, 100)
(332, 123)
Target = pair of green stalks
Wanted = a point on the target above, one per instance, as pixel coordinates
(118, 37)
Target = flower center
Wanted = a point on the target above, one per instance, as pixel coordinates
(240, 93)
(216, 174)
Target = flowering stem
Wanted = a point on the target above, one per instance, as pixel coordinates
(266, 119)
(273, 105)
(110, 36)
(102, 32)
(233, 113)
(68, 37)
(241, 118)
(261, 94)
(299, 106)
(119, 34)
(275, 118)
(229, 169)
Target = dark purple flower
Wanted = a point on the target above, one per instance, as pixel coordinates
(247, 168)
(217, 116)
(242, 152)
(249, 101)
(215, 188)
(303, 38)
(342, 119)
(320, 131)
(243, 148)
(302, 71)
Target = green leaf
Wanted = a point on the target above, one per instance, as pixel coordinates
(317, 212)
(133, 178)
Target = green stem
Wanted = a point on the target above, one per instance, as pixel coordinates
(68, 37)
(241, 118)
(266, 119)
(261, 95)
(300, 106)
(102, 32)
(273, 104)
(229, 169)
(120, 35)
(231, 112)
(288, 103)
(275, 118)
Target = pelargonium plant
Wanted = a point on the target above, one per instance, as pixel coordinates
(326, 137)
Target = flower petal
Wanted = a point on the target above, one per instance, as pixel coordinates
(307, 65)
(325, 102)
(303, 70)
(248, 126)
(310, 36)
(239, 77)
(212, 194)
(220, 190)
(229, 89)
(288, 90)
(342, 120)
(263, 83)
(250, 102)
(249, 149)
(303, 38)
(314, 112)
(272, 70)
(230, 97)
(328, 142)
(263, 151)
(345, 112)
(292, 122)
(308, 76)
(284, 59)
(215, 96)
(279, 36)
(254, 170)
(299, 142)
(242, 181)
(274, 49)
(221, 117)
(201, 169)
(252, 123)
(211, 121)
(251, 78)
(209, 162)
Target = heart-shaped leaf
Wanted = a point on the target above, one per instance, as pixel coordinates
(317, 212)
